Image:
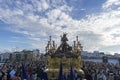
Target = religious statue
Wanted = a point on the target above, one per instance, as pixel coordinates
(64, 45)
(65, 54)
(64, 38)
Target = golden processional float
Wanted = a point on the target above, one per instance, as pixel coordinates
(65, 54)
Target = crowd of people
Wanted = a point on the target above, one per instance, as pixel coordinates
(101, 71)
(35, 71)
(13, 71)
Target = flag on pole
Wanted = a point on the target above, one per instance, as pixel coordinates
(24, 74)
(60, 76)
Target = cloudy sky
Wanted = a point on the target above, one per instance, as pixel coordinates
(27, 24)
